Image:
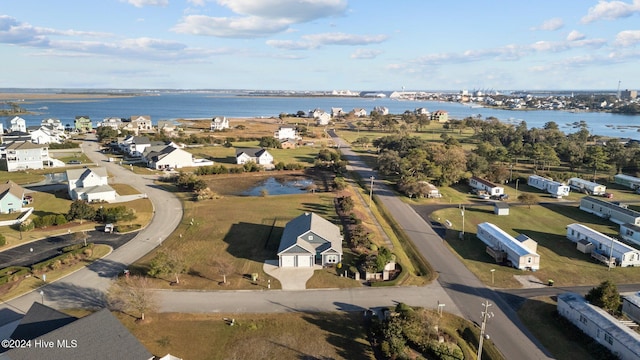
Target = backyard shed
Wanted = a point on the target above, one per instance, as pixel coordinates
(501, 208)
(584, 246)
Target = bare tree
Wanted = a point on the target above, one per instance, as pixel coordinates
(132, 294)
(225, 267)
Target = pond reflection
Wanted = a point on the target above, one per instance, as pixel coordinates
(275, 186)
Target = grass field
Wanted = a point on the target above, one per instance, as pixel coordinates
(559, 259)
(292, 336)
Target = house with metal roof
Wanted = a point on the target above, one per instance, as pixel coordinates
(596, 323)
(486, 185)
(630, 233)
(99, 335)
(90, 184)
(625, 255)
(519, 251)
(608, 210)
(310, 240)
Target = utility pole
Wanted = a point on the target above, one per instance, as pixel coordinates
(485, 315)
(371, 191)
(462, 212)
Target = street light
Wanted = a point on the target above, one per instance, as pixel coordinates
(493, 271)
(462, 212)
(517, 181)
(485, 315)
(371, 190)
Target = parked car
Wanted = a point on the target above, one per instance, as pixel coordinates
(74, 162)
(108, 228)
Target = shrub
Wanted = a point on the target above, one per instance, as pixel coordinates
(3, 240)
(60, 220)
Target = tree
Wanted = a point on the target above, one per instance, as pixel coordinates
(596, 158)
(132, 294)
(165, 263)
(270, 142)
(605, 296)
(528, 199)
(80, 209)
(225, 267)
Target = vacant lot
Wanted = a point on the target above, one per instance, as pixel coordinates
(546, 224)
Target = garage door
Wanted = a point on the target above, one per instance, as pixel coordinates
(287, 261)
(304, 261)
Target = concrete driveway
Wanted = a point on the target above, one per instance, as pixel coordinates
(290, 278)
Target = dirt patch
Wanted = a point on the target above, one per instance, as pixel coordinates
(529, 281)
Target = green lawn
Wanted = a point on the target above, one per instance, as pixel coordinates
(546, 224)
(227, 155)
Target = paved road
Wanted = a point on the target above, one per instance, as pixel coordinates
(467, 292)
(86, 287)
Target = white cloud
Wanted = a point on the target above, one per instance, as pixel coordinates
(550, 25)
(628, 38)
(366, 54)
(143, 3)
(258, 18)
(575, 35)
(294, 11)
(611, 10)
(290, 44)
(247, 27)
(317, 40)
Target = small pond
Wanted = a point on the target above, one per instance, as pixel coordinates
(275, 186)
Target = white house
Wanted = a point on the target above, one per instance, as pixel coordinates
(258, 156)
(322, 118)
(337, 112)
(54, 124)
(90, 184)
(219, 123)
(286, 133)
(359, 112)
(113, 122)
(630, 233)
(23, 155)
(588, 187)
(485, 185)
(556, 189)
(309, 240)
(631, 305)
(168, 157)
(604, 245)
(382, 110)
(135, 145)
(46, 135)
(622, 341)
(615, 213)
(17, 124)
(141, 122)
(520, 251)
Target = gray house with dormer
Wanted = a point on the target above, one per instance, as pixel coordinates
(309, 240)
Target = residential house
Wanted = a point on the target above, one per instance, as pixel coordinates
(382, 110)
(604, 246)
(17, 124)
(167, 157)
(309, 240)
(89, 184)
(219, 123)
(135, 145)
(288, 144)
(631, 306)
(623, 342)
(440, 116)
(46, 135)
(630, 233)
(11, 197)
(142, 122)
(286, 132)
(23, 155)
(605, 209)
(431, 190)
(421, 111)
(587, 187)
(16, 136)
(97, 335)
(519, 251)
(487, 186)
(113, 122)
(627, 180)
(258, 156)
(166, 126)
(54, 124)
(322, 118)
(359, 112)
(337, 112)
(83, 123)
(556, 189)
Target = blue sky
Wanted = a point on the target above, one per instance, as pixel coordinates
(320, 44)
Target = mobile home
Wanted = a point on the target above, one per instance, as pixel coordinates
(600, 326)
(585, 186)
(630, 233)
(608, 210)
(484, 185)
(624, 254)
(556, 189)
(521, 251)
(626, 180)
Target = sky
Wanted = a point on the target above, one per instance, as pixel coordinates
(356, 45)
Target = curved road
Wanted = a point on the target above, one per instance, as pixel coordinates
(86, 287)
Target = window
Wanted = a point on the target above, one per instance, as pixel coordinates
(583, 320)
(528, 260)
(608, 338)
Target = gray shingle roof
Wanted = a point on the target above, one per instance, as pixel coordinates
(328, 234)
(40, 320)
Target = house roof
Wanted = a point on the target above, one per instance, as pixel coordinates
(11, 188)
(98, 336)
(95, 189)
(485, 182)
(611, 206)
(251, 152)
(23, 145)
(39, 320)
(76, 174)
(310, 222)
(507, 240)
